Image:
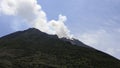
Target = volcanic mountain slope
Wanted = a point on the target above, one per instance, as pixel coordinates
(34, 49)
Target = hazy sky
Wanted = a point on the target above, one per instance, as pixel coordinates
(95, 22)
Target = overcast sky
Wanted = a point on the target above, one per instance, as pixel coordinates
(95, 22)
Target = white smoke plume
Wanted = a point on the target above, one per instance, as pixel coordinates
(32, 12)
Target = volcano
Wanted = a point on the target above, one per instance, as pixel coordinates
(32, 48)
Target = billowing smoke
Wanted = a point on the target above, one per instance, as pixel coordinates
(32, 13)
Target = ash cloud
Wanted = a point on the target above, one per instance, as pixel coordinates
(31, 12)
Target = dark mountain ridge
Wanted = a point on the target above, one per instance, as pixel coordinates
(35, 49)
(38, 32)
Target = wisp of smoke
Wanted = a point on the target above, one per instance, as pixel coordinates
(31, 12)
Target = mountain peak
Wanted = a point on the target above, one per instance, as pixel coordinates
(35, 49)
(31, 29)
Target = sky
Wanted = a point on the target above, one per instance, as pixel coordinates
(94, 22)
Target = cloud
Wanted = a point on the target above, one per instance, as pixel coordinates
(31, 12)
(113, 51)
(59, 27)
(94, 37)
(102, 40)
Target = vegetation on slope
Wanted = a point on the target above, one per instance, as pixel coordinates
(34, 49)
